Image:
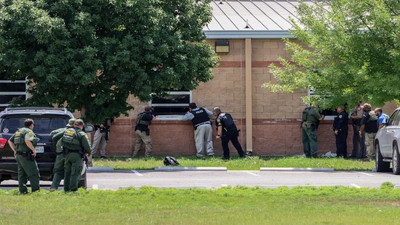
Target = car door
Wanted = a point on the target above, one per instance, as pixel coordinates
(386, 135)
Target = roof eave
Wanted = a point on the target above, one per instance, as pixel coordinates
(240, 34)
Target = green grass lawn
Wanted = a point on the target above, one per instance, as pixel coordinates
(249, 163)
(240, 205)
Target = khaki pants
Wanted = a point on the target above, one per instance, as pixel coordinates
(99, 141)
(142, 137)
(369, 145)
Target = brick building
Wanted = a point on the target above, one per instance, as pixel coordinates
(248, 35)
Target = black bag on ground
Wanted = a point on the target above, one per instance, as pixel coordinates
(170, 161)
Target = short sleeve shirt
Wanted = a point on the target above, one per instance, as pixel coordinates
(383, 119)
(313, 115)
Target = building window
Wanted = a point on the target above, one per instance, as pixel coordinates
(173, 105)
(10, 90)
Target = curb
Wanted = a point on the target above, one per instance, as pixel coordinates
(100, 169)
(296, 169)
(179, 168)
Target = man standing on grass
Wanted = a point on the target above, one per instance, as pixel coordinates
(369, 124)
(58, 173)
(202, 129)
(309, 125)
(76, 144)
(227, 131)
(340, 129)
(142, 131)
(23, 145)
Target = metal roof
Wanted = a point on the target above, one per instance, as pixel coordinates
(252, 18)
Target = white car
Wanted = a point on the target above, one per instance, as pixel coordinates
(387, 143)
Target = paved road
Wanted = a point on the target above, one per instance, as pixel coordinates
(216, 179)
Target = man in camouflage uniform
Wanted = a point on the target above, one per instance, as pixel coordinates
(23, 145)
(75, 143)
(309, 125)
(58, 173)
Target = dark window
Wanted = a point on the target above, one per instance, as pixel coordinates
(42, 125)
(6, 99)
(175, 103)
(10, 90)
(13, 87)
(394, 118)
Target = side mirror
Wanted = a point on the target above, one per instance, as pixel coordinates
(88, 128)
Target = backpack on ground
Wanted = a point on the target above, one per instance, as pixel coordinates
(170, 161)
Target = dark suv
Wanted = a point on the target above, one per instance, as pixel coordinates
(46, 120)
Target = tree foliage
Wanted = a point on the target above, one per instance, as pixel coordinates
(348, 50)
(90, 55)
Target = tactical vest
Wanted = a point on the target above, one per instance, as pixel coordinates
(227, 122)
(19, 137)
(70, 136)
(139, 120)
(305, 114)
(200, 116)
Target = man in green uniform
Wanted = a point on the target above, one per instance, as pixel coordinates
(309, 125)
(58, 173)
(76, 144)
(23, 145)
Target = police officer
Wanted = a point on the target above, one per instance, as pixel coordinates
(227, 131)
(75, 143)
(202, 128)
(358, 142)
(309, 125)
(58, 173)
(23, 145)
(143, 132)
(369, 124)
(100, 138)
(340, 128)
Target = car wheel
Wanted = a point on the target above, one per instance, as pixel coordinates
(380, 165)
(395, 160)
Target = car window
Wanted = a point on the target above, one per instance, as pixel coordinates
(11, 125)
(394, 118)
(42, 125)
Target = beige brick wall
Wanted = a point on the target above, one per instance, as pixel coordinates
(276, 117)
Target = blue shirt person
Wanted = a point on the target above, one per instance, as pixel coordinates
(383, 119)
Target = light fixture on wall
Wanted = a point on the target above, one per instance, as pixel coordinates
(222, 46)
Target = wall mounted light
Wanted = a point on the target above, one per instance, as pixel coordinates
(222, 46)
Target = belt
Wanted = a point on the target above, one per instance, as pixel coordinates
(203, 123)
(22, 153)
(70, 150)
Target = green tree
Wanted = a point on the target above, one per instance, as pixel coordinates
(347, 50)
(90, 55)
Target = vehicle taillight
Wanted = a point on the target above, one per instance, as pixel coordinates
(3, 142)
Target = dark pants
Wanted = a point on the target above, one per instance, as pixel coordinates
(58, 172)
(341, 144)
(73, 168)
(27, 170)
(309, 138)
(233, 137)
(358, 143)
